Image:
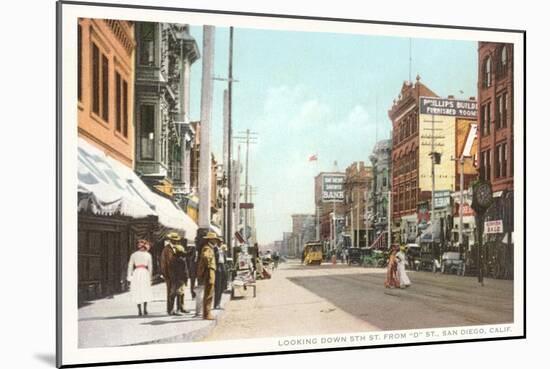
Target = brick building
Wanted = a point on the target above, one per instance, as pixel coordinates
(496, 115)
(326, 207)
(357, 186)
(404, 115)
(496, 150)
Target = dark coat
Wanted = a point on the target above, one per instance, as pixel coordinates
(179, 272)
(166, 258)
(192, 260)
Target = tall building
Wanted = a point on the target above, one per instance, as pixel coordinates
(496, 148)
(378, 196)
(105, 86)
(164, 135)
(406, 162)
(358, 184)
(303, 230)
(496, 115)
(329, 203)
(428, 129)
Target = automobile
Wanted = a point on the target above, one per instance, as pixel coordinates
(452, 263)
(413, 256)
(313, 253)
(354, 256)
(428, 258)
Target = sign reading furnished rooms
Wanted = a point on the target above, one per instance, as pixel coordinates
(448, 107)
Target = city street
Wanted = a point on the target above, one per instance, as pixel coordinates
(326, 299)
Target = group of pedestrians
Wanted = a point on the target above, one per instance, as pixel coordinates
(181, 266)
(396, 276)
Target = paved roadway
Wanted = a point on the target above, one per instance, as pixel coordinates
(327, 299)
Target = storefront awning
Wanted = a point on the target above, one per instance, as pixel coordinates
(216, 229)
(108, 187)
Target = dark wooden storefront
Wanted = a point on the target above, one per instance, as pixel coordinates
(104, 247)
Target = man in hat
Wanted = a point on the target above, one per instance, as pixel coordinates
(220, 256)
(206, 275)
(167, 258)
(179, 277)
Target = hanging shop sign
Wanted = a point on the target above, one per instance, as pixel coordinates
(493, 226)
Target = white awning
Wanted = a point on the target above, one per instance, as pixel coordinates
(216, 229)
(108, 187)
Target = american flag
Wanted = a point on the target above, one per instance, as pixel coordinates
(313, 158)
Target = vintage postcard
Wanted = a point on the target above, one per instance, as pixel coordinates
(233, 183)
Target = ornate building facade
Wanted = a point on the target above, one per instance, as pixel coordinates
(164, 135)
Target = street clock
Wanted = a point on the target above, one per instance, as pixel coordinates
(482, 196)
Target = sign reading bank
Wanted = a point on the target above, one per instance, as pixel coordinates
(333, 187)
(448, 107)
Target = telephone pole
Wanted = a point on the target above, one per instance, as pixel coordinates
(206, 116)
(248, 139)
(435, 160)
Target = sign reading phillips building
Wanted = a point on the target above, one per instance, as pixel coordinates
(333, 187)
(448, 107)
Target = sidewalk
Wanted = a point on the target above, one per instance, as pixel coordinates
(114, 321)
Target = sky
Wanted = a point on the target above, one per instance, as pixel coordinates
(322, 94)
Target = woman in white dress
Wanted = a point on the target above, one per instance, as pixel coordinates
(404, 280)
(140, 269)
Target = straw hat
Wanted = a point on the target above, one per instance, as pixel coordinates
(173, 236)
(212, 236)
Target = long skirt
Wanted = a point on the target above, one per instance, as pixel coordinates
(403, 277)
(392, 280)
(140, 286)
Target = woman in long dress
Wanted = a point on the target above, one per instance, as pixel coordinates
(404, 280)
(392, 280)
(140, 269)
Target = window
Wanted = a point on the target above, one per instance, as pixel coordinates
(95, 79)
(79, 61)
(100, 83)
(105, 87)
(500, 114)
(125, 108)
(501, 160)
(147, 131)
(147, 49)
(503, 62)
(504, 120)
(485, 168)
(486, 119)
(487, 72)
(121, 105)
(118, 97)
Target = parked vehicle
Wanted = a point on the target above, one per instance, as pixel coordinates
(413, 256)
(354, 256)
(452, 263)
(313, 253)
(428, 257)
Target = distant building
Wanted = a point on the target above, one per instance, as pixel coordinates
(329, 202)
(378, 199)
(303, 230)
(358, 184)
